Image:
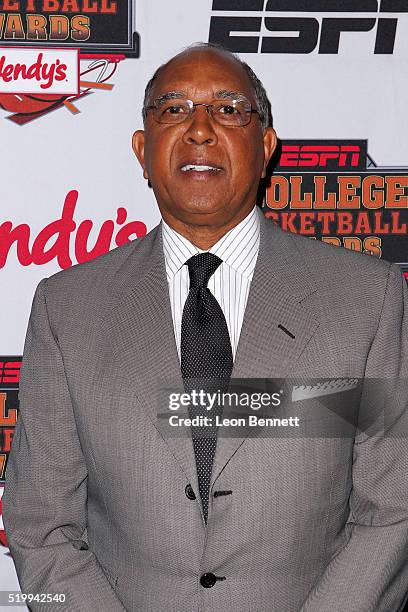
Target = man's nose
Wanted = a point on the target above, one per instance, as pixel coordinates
(200, 129)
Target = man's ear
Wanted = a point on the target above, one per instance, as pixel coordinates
(270, 141)
(138, 145)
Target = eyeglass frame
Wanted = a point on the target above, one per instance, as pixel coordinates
(192, 105)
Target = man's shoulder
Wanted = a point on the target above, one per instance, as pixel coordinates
(331, 265)
(82, 290)
(323, 252)
(100, 271)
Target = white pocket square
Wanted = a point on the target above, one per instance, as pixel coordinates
(328, 387)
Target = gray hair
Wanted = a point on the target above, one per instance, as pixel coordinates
(261, 97)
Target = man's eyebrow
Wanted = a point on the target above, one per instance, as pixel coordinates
(236, 95)
(170, 95)
(222, 94)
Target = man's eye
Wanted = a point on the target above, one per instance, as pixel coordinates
(227, 109)
(174, 109)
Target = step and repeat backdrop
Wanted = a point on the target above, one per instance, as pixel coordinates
(72, 78)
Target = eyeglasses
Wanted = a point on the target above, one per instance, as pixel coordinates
(233, 113)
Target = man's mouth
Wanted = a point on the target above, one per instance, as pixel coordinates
(199, 168)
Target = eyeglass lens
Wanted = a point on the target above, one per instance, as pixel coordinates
(225, 112)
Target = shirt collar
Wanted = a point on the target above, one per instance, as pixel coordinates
(238, 248)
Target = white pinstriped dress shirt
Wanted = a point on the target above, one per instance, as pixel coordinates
(229, 284)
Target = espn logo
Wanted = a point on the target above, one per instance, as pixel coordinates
(10, 371)
(312, 24)
(312, 155)
(39, 71)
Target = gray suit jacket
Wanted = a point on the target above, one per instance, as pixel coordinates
(95, 504)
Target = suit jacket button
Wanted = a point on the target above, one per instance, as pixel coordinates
(208, 580)
(189, 492)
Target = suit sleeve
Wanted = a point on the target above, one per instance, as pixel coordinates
(370, 573)
(45, 498)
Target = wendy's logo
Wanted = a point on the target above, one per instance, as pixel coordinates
(55, 52)
(25, 107)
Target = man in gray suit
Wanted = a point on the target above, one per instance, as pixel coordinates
(105, 507)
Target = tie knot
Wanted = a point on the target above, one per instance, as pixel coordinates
(201, 267)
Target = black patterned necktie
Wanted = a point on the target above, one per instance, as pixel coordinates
(206, 359)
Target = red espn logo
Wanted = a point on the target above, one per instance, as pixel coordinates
(320, 155)
(10, 371)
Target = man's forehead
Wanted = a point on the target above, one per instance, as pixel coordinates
(203, 72)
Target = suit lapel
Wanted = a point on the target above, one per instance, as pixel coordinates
(278, 323)
(143, 338)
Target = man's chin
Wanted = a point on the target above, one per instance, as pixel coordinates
(202, 213)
